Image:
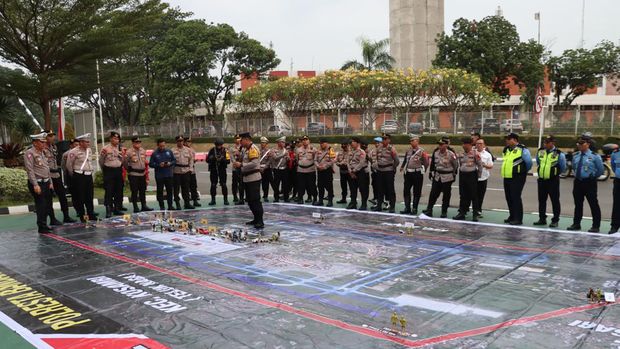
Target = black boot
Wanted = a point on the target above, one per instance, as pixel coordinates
(317, 202)
(55, 222)
(136, 209)
(226, 201)
(108, 212)
(188, 206)
(146, 208)
(118, 211)
(342, 201)
(352, 205)
(407, 210)
(212, 203)
(428, 212)
(444, 214)
(196, 203)
(161, 206)
(240, 202)
(460, 216)
(178, 205)
(235, 199)
(330, 203)
(67, 218)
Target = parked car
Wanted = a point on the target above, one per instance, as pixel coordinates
(317, 128)
(390, 126)
(415, 128)
(490, 126)
(511, 124)
(208, 131)
(339, 130)
(279, 130)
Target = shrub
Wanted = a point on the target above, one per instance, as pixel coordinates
(12, 154)
(98, 180)
(13, 184)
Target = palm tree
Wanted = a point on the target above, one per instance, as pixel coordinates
(375, 56)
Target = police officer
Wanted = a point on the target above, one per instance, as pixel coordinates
(443, 168)
(40, 184)
(80, 169)
(517, 161)
(306, 171)
(63, 166)
(279, 164)
(250, 170)
(111, 162)
(193, 182)
(181, 171)
(51, 153)
(266, 158)
(414, 165)
(615, 212)
(588, 167)
(324, 161)
(551, 162)
(138, 174)
(163, 161)
(218, 159)
(371, 156)
(470, 166)
(387, 162)
(237, 180)
(342, 162)
(358, 171)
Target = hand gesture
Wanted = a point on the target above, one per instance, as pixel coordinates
(37, 189)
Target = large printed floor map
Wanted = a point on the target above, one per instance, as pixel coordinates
(334, 279)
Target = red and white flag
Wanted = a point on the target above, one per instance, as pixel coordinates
(61, 120)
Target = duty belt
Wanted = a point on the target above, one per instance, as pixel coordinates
(43, 180)
(385, 166)
(57, 170)
(444, 172)
(85, 173)
(410, 170)
(135, 170)
(177, 165)
(250, 173)
(302, 166)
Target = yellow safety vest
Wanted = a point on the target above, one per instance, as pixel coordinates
(513, 162)
(548, 164)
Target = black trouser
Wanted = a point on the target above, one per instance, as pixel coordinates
(374, 184)
(306, 183)
(360, 182)
(113, 186)
(237, 184)
(166, 182)
(482, 190)
(137, 184)
(193, 186)
(437, 188)
(281, 184)
(513, 187)
(549, 188)
(325, 181)
(266, 181)
(42, 204)
(252, 196)
(345, 180)
(59, 190)
(468, 191)
(587, 189)
(615, 212)
(82, 194)
(219, 175)
(413, 180)
(292, 179)
(385, 188)
(181, 185)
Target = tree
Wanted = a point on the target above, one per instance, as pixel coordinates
(492, 49)
(375, 56)
(201, 63)
(581, 69)
(58, 42)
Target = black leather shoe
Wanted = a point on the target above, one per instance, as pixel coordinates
(197, 204)
(330, 203)
(507, 220)
(123, 208)
(553, 225)
(300, 202)
(352, 206)
(515, 223)
(178, 206)
(55, 222)
(540, 222)
(414, 212)
(444, 215)
(428, 213)
(240, 202)
(474, 218)
(212, 203)
(68, 220)
(260, 225)
(391, 210)
(118, 213)
(406, 211)
(188, 207)
(146, 208)
(362, 208)
(342, 201)
(309, 201)
(226, 203)
(574, 227)
(613, 230)
(252, 222)
(317, 203)
(459, 217)
(265, 199)
(594, 230)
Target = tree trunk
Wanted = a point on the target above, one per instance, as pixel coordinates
(44, 102)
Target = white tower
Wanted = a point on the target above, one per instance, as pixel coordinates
(414, 26)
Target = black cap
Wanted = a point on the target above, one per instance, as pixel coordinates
(245, 135)
(356, 140)
(512, 135)
(466, 140)
(443, 140)
(114, 134)
(219, 141)
(237, 136)
(304, 138)
(179, 138)
(50, 132)
(386, 135)
(323, 140)
(345, 141)
(549, 138)
(135, 139)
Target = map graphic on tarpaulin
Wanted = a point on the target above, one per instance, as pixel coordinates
(333, 280)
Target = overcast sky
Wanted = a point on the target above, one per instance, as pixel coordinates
(322, 34)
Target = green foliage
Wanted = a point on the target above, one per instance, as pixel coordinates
(13, 184)
(375, 56)
(98, 180)
(492, 49)
(582, 69)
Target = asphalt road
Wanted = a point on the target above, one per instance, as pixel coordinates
(494, 198)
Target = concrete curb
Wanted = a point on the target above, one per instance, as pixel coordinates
(22, 209)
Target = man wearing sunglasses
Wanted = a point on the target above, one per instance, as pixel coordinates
(588, 167)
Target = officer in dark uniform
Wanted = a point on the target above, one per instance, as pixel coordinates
(193, 181)
(250, 170)
(342, 161)
(39, 183)
(615, 213)
(588, 167)
(324, 161)
(237, 180)
(163, 161)
(280, 166)
(358, 171)
(63, 162)
(415, 163)
(517, 161)
(218, 159)
(551, 162)
(138, 174)
(387, 162)
(181, 173)
(80, 169)
(470, 166)
(111, 162)
(443, 169)
(51, 152)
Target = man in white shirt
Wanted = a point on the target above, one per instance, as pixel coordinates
(487, 164)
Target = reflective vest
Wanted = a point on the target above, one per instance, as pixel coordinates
(548, 163)
(513, 162)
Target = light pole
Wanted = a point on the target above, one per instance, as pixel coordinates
(537, 18)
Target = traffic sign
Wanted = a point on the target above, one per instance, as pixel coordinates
(538, 106)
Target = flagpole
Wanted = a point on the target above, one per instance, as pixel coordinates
(100, 107)
(61, 120)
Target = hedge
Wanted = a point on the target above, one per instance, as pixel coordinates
(531, 141)
(14, 184)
